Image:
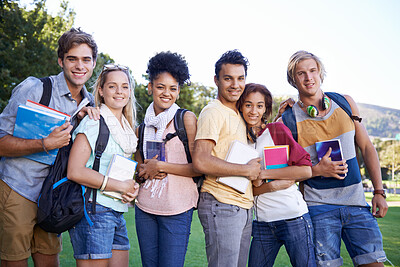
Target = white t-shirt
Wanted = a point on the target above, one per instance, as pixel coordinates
(279, 205)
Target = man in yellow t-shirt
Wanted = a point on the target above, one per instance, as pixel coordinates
(225, 214)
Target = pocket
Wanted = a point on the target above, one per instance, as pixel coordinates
(222, 209)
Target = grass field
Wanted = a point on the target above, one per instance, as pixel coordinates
(196, 256)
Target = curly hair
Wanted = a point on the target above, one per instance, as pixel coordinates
(231, 57)
(75, 37)
(172, 63)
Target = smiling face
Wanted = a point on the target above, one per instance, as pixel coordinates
(307, 78)
(78, 65)
(165, 90)
(253, 109)
(231, 83)
(116, 91)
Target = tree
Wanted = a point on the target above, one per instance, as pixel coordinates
(28, 43)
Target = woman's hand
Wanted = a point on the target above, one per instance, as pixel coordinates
(151, 169)
(130, 196)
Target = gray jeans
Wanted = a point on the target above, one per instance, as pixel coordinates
(227, 230)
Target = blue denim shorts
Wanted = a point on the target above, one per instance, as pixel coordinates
(107, 233)
(359, 231)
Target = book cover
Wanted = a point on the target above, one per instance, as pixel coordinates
(33, 123)
(120, 168)
(276, 157)
(154, 148)
(336, 154)
(241, 154)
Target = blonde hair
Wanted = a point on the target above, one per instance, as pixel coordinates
(129, 110)
(296, 58)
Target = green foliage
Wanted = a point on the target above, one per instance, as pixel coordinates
(28, 42)
(389, 154)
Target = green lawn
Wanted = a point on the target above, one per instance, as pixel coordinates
(196, 255)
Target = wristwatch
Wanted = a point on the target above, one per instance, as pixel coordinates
(380, 192)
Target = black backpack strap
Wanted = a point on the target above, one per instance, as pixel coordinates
(179, 125)
(101, 144)
(289, 120)
(141, 140)
(47, 90)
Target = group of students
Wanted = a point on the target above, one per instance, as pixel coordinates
(310, 224)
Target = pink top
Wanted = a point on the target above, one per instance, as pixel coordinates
(174, 194)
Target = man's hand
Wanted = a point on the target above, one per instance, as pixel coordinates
(59, 137)
(379, 206)
(254, 169)
(329, 168)
(92, 112)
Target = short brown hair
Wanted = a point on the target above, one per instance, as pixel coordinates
(75, 37)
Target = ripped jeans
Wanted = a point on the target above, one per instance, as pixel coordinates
(359, 231)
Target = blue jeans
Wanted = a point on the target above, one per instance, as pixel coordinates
(163, 240)
(268, 237)
(359, 231)
(227, 230)
(107, 233)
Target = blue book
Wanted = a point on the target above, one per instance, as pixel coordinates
(34, 123)
(336, 154)
(154, 148)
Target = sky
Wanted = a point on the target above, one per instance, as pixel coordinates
(357, 40)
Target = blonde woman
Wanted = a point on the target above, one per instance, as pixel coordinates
(105, 243)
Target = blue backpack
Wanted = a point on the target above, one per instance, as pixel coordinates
(289, 119)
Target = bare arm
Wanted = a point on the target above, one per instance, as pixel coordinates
(204, 162)
(11, 146)
(297, 173)
(370, 156)
(151, 167)
(77, 171)
(272, 186)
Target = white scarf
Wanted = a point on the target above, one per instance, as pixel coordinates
(160, 123)
(123, 134)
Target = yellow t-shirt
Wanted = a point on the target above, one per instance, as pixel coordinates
(223, 125)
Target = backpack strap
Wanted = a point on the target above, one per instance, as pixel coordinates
(289, 120)
(141, 139)
(179, 125)
(341, 101)
(47, 90)
(101, 144)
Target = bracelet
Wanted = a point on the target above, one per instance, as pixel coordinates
(104, 184)
(44, 148)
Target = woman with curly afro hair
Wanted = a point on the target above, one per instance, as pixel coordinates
(167, 197)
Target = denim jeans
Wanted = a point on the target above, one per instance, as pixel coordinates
(163, 240)
(227, 230)
(295, 234)
(107, 233)
(359, 231)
